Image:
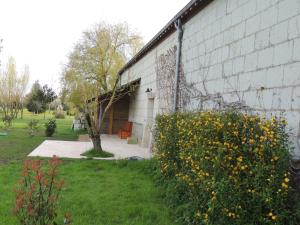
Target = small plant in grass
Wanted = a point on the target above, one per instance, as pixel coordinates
(33, 127)
(37, 193)
(101, 154)
(7, 120)
(50, 127)
(68, 218)
(59, 115)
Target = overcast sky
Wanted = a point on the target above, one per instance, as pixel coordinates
(41, 33)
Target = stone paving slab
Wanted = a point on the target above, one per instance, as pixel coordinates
(73, 149)
(84, 137)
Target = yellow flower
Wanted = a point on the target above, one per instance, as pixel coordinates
(284, 185)
(232, 215)
(251, 141)
(284, 121)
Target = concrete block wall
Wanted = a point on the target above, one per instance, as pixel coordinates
(145, 69)
(248, 50)
(241, 50)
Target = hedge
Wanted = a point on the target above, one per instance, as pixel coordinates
(223, 168)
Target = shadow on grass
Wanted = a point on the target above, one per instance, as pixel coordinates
(101, 154)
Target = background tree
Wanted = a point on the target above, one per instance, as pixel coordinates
(1, 40)
(39, 98)
(92, 70)
(48, 96)
(12, 89)
(22, 87)
(33, 99)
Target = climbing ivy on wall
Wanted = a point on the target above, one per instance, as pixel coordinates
(165, 70)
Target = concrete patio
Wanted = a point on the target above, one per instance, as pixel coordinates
(73, 149)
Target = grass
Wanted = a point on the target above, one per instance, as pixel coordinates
(96, 192)
(101, 154)
(18, 143)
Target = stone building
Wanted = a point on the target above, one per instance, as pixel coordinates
(219, 53)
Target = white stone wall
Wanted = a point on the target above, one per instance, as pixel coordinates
(248, 50)
(144, 69)
(243, 50)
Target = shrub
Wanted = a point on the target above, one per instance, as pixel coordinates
(38, 192)
(35, 106)
(33, 127)
(7, 120)
(50, 127)
(225, 168)
(59, 114)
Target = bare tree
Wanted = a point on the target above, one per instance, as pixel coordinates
(22, 87)
(12, 89)
(1, 40)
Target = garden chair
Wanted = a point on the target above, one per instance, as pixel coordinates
(125, 131)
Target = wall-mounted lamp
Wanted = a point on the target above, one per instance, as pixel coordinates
(148, 90)
(150, 93)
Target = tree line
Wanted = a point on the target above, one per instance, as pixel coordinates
(13, 92)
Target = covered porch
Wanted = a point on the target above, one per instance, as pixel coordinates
(116, 118)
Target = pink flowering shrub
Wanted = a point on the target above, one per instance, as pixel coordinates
(37, 193)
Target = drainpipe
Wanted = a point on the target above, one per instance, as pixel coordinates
(178, 26)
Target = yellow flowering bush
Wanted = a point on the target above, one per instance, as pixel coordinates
(226, 168)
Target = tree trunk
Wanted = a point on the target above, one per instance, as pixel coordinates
(93, 133)
(22, 111)
(97, 143)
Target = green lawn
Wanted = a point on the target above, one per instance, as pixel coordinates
(96, 192)
(18, 143)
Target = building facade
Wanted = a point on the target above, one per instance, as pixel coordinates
(235, 53)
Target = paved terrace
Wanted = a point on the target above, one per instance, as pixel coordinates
(73, 149)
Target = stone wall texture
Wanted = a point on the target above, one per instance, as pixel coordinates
(233, 51)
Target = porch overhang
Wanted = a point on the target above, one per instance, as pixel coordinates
(121, 91)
